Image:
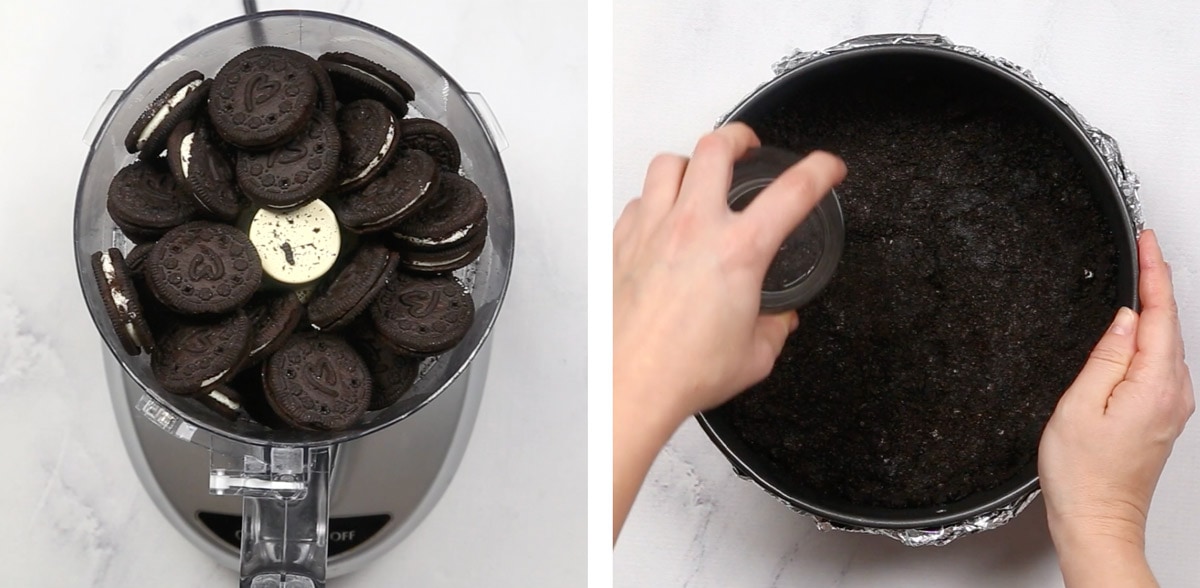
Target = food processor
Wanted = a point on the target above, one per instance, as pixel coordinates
(291, 508)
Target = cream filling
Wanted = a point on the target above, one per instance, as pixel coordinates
(439, 263)
(387, 144)
(161, 115)
(120, 300)
(110, 275)
(387, 219)
(259, 348)
(118, 297)
(133, 336)
(455, 236)
(214, 379)
(185, 153)
(224, 400)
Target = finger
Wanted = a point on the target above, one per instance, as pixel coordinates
(781, 206)
(661, 188)
(706, 181)
(770, 333)
(1189, 394)
(626, 222)
(1160, 342)
(1107, 365)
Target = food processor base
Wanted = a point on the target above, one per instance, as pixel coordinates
(383, 484)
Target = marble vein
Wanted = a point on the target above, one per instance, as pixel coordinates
(50, 482)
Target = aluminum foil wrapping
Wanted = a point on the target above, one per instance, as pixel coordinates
(941, 535)
(1110, 153)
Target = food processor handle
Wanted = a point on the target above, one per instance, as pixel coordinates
(285, 512)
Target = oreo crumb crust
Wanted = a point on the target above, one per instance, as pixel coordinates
(910, 384)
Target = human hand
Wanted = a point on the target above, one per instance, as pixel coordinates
(687, 278)
(688, 273)
(1103, 450)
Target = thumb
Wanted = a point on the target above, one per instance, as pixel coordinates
(1107, 365)
(770, 333)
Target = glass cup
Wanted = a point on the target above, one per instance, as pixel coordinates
(809, 256)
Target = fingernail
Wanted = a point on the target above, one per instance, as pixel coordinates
(1123, 324)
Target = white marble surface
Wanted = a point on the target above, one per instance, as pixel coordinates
(74, 513)
(1129, 67)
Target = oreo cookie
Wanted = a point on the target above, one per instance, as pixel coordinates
(137, 258)
(369, 141)
(356, 77)
(273, 317)
(159, 317)
(263, 97)
(136, 234)
(145, 201)
(223, 400)
(199, 355)
(353, 84)
(389, 199)
(392, 375)
(420, 316)
(203, 268)
(445, 260)
(305, 293)
(178, 102)
(201, 167)
(295, 151)
(121, 301)
(456, 214)
(353, 289)
(249, 386)
(296, 173)
(433, 138)
(317, 382)
(326, 94)
(384, 74)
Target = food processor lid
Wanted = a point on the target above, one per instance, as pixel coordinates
(808, 257)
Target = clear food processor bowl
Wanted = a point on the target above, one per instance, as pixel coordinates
(283, 476)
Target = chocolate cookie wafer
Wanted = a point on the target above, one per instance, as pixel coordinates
(203, 268)
(263, 97)
(317, 381)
